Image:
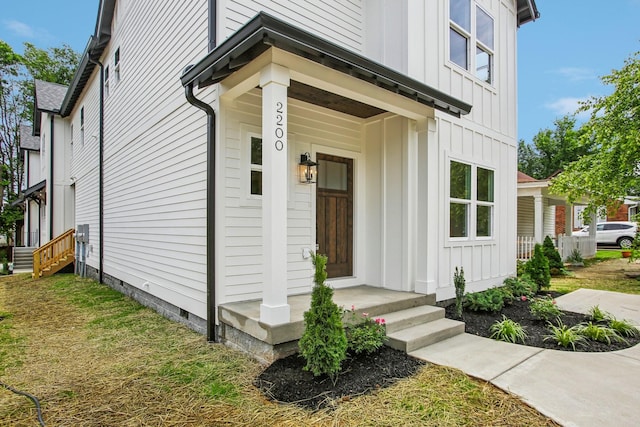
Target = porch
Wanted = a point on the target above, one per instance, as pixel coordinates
(413, 321)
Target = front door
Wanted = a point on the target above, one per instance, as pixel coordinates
(334, 213)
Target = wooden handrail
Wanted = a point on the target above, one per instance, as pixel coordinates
(59, 252)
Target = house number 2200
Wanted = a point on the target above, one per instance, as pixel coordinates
(279, 132)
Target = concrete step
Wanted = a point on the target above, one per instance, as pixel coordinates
(414, 337)
(409, 317)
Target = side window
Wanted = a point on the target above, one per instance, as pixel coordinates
(484, 207)
(71, 144)
(599, 227)
(106, 81)
(460, 199)
(82, 126)
(471, 201)
(116, 65)
(256, 166)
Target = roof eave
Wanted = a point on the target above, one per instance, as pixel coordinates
(265, 31)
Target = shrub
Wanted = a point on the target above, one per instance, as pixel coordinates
(598, 332)
(490, 300)
(365, 336)
(624, 328)
(521, 267)
(544, 309)
(459, 283)
(564, 335)
(521, 286)
(538, 268)
(575, 257)
(598, 315)
(508, 330)
(324, 342)
(553, 256)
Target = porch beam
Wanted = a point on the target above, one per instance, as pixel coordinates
(274, 81)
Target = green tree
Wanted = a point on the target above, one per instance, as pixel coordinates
(324, 341)
(538, 268)
(611, 170)
(553, 149)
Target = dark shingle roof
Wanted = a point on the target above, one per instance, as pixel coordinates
(27, 140)
(49, 96)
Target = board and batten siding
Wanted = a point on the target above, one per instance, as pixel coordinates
(339, 21)
(310, 128)
(154, 155)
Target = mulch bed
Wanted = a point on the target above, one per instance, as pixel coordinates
(478, 323)
(286, 381)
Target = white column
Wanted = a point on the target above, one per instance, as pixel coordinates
(274, 81)
(428, 223)
(538, 222)
(568, 219)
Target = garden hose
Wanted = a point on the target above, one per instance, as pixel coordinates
(30, 396)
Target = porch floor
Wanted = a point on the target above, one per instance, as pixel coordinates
(245, 316)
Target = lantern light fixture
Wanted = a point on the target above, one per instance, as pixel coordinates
(307, 169)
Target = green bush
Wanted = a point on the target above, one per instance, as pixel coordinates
(508, 330)
(538, 268)
(324, 341)
(491, 300)
(544, 309)
(598, 332)
(624, 328)
(575, 257)
(565, 336)
(555, 260)
(598, 315)
(521, 286)
(365, 336)
(459, 283)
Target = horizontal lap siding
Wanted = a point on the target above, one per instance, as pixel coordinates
(155, 154)
(309, 127)
(338, 21)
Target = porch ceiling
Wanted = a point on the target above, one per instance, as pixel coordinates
(264, 32)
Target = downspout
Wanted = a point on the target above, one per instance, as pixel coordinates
(27, 203)
(100, 171)
(51, 185)
(212, 335)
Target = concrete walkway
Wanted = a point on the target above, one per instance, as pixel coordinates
(574, 389)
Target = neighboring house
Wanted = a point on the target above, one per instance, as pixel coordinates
(188, 125)
(538, 214)
(627, 211)
(48, 195)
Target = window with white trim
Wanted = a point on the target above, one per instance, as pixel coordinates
(256, 166)
(471, 201)
(82, 126)
(116, 65)
(471, 27)
(71, 144)
(106, 81)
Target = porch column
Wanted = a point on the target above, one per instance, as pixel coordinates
(428, 228)
(538, 222)
(568, 219)
(274, 81)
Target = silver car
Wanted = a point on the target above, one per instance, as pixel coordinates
(619, 233)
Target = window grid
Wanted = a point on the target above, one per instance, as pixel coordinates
(471, 201)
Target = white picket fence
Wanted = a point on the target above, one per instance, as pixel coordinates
(585, 244)
(525, 247)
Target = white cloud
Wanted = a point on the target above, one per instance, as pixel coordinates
(565, 106)
(576, 74)
(20, 29)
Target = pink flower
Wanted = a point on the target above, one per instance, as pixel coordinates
(365, 314)
(353, 307)
(379, 321)
(523, 297)
(554, 302)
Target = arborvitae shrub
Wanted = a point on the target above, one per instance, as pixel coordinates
(552, 254)
(324, 342)
(538, 268)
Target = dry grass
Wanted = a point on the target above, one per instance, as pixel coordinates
(607, 275)
(96, 358)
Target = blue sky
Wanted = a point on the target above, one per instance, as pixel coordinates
(560, 57)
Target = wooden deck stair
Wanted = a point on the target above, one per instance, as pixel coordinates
(52, 257)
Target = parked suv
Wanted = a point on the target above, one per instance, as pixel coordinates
(619, 233)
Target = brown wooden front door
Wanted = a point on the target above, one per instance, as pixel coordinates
(334, 213)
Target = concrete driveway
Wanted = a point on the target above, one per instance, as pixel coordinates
(574, 389)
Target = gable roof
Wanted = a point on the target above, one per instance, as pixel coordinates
(48, 98)
(27, 140)
(527, 11)
(523, 177)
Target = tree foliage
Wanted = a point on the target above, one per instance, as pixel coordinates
(553, 149)
(611, 170)
(17, 74)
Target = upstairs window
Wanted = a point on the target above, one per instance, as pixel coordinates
(82, 126)
(71, 143)
(468, 27)
(106, 81)
(116, 65)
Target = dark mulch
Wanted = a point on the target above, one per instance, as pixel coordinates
(478, 323)
(286, 381)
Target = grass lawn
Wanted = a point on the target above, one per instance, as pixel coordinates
(96, 358)
(605, 272)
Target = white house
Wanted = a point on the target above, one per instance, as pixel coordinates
(189, 122)
(48, 194)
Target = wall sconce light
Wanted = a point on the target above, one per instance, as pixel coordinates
(307, 169)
